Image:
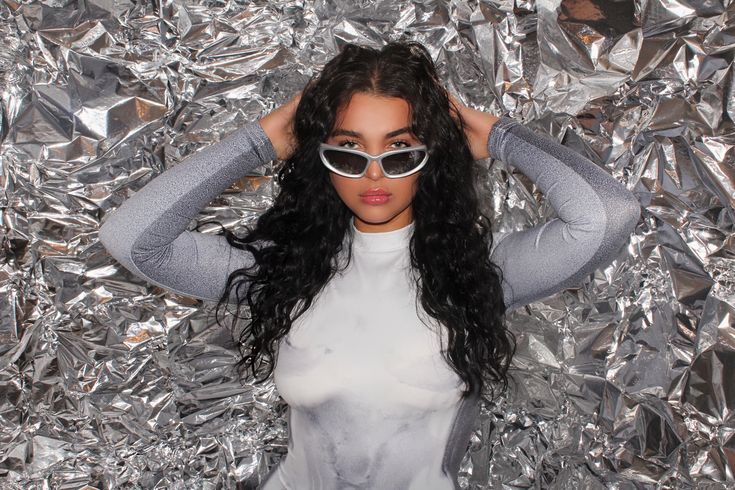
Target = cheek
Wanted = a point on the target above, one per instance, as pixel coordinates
(336, 182)
(343, 185)
(409, 187)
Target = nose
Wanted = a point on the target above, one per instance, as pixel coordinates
(373, 171)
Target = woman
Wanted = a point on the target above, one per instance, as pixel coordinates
(374, 280)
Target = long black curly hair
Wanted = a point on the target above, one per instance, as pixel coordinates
(296, 242)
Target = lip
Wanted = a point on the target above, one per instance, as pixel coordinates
(375, 192)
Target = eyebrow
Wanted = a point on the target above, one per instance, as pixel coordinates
(347, 132)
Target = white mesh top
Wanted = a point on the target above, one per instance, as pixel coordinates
(372, 405)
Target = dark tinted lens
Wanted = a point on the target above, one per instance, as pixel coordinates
(348, 163)
(401, 163)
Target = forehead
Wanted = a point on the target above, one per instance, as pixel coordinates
(373, 114)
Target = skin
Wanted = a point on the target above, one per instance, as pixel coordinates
(366, 124)
(374, 117)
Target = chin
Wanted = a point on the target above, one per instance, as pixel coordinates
(375, 220)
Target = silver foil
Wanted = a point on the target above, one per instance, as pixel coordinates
(106, 381)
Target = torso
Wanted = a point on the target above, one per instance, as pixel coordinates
(372, 404)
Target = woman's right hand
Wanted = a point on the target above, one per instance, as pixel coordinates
(278, 126)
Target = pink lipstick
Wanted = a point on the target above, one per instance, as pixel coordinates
(375, 196)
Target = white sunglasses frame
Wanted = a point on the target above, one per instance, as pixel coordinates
(324, 146)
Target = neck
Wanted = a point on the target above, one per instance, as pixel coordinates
(382, 241)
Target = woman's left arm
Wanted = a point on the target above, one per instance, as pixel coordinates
(596, 213)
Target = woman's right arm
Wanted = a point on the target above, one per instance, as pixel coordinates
(148, 235)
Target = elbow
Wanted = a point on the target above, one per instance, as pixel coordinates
(106, 235)
(623, 216)
(631, 210)
(114, 238)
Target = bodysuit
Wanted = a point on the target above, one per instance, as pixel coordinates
(371, 402)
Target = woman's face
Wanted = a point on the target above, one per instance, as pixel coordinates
(375, 124)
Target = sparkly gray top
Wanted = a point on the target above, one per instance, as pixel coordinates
(371, 402)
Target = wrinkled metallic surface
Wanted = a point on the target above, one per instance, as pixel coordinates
(624, 382)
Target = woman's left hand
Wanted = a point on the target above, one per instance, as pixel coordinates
(477, 127)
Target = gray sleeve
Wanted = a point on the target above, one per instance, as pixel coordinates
(148, 234)
(596, 216)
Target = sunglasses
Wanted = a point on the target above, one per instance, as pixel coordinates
(354, 163)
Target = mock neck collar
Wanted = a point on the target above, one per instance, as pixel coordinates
(381, 241)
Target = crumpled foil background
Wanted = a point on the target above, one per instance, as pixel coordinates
(105, 381)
